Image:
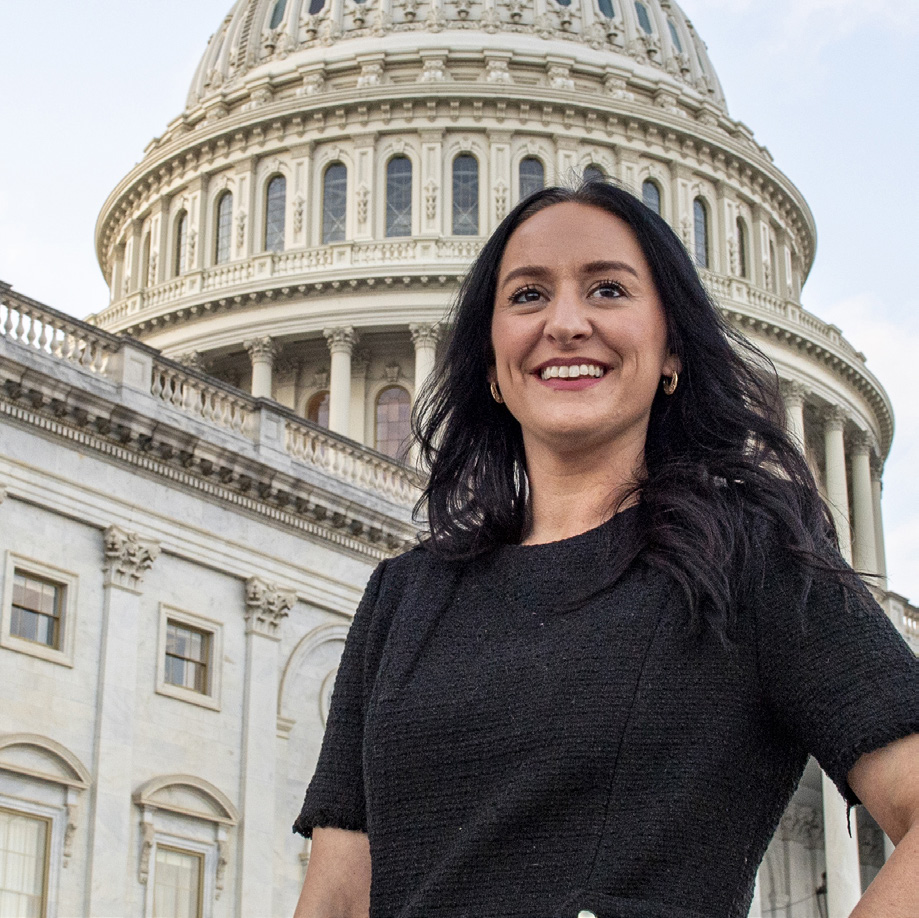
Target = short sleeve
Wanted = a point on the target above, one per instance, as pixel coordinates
(836, 672)
(335, 795)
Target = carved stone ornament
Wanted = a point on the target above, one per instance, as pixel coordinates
(363, 201)
(802, 824)
(434, 71)
(392, 371)
(127, 557)
(194, 360)
(266, 606)
(793, 392)
(223, 858)
(430, 199)
(410, 9)
(341, 339)
(298, 213)
(371, 75)
(424, 335)
(261, 350)
(501, 194)
(312, 83)
(146, 850)
(516, 8)
(497, 72)
(240, 229)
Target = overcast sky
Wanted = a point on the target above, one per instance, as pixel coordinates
(829, 86)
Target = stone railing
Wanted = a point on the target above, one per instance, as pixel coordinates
(343, 459)
(204, 398)
(127, 363)
(28, 322)
(321, 263)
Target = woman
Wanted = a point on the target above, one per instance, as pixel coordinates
(593, 689)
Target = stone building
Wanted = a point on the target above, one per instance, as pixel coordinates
(198, 481)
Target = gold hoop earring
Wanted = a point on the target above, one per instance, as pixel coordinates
(669, 385)
(496, 393)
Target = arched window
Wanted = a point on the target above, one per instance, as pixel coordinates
(700, 234)
(399, 196)
(181, 244)
(674, 37)
(563, 2)
(532, 176)
(145, 279)
(275, 207)
(651, 195)
(393, 421)
(277, 14)
(317, 409)
(224, 228)
(594, 174)
(465, 195)
(606, 8)
(741, 248)
(334, 202)
(644, 20)
(316, 7)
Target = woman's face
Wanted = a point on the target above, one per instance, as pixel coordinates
(578, 331)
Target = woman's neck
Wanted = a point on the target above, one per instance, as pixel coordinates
(576, 492)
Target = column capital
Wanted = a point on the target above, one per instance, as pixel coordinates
(834, 417)
(862, 442)
(793, 392)
(261, 349)
(194, 360)
(877, 468)
(425, 334)
(341, 339)
(266, 606)
(127, 557)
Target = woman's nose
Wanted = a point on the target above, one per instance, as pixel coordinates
(567, 319)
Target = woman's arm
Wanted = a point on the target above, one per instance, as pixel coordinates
(337, 881)
(887, 782)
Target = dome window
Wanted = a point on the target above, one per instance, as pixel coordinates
(593, 174)
(393, 421)
(651, 195)
(334, 202)
(181, 244)
(700, 232)
(741, 248)
(532, 176)
(563, 2)
(277, 14)
(465, 195)
(644, 20)
(224, 228)
(316, 7)
(399, 196)
(606, 8)
(674, 37)
(275, 208)
(317, 410)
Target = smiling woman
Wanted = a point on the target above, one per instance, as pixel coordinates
(627, 557)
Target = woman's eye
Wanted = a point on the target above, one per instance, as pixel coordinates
(609, 289)
(526, 295)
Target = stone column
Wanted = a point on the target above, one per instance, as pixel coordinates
(864, 550)
(425, 338)
(877, 470)
(262, 353)
(837, 491)
(843, 877)
(793, 394)
(341, 344)
(112, 828)
(266, 607)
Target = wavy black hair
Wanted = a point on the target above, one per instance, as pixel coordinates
(721, 470)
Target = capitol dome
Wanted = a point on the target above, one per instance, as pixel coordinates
(300, 229)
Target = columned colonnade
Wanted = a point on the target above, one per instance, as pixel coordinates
(342, 342)
(859, 526)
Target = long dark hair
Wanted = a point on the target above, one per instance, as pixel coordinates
(720, 468)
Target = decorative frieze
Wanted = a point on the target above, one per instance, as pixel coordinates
(127, 557)
(267, 605)
(802, 824)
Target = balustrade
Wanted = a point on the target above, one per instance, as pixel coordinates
(223, 407)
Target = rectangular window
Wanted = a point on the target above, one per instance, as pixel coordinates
(187, 656)
(23, 865)
(177, 884)
(36, 612)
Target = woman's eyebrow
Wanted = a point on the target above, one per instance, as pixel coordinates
(592, 267)
(524, 271)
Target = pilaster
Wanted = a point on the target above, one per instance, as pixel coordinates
(266, 606)
(111, 841)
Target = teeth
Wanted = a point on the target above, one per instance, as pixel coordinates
(572, 372)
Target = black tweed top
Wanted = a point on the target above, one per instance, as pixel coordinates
(516, 754)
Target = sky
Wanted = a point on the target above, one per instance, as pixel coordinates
(831, 87)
